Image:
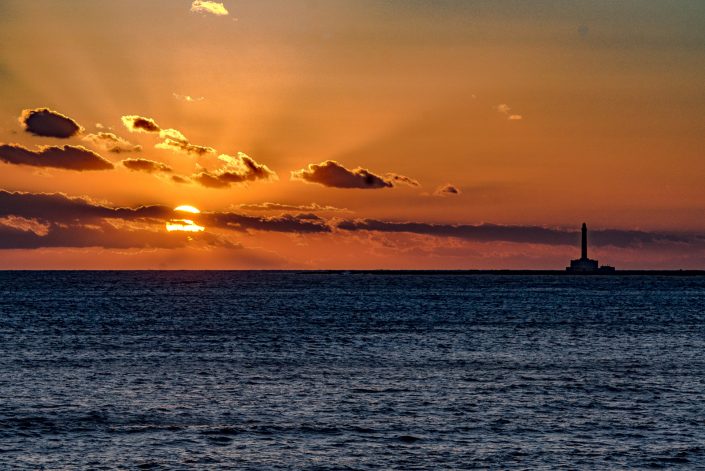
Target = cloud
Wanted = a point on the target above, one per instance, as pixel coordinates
(184, 146)
(174, 134)
(335, 175)
(136, 123)
(180, 179)
(49, 212)
(529, 234)
(145, 165)
(62, 209)
(104, 235)
(188, 98)
(110, 142)
(174, 139)
(300, 223)
(289, 207)
(33, 220)
(480, 233)
(48, 123)
(393, 177)
(64, 157)
(446, 190)
(503, 108)
(206, 6)
(506, 110)
(239, 169)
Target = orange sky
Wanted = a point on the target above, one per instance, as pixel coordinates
(540, 114)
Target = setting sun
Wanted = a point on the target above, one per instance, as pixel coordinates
(188, 209)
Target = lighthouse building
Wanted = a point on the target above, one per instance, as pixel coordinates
(585, 264)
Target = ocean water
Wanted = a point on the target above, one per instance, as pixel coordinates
(283, 370)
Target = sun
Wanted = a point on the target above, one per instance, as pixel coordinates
(185, 225)
(188, 209)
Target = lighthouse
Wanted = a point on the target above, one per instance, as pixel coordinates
(585, 264)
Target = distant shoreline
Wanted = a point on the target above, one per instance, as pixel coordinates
(507, 272)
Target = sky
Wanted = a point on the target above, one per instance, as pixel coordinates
(331, 134)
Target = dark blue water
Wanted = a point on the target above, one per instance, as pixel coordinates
(174, 370)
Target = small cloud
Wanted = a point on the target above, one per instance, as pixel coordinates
(180, 179)
(174, 134)
(188, 98)
(184, 146)
(174, 140)
(506, 110)
(402, 179)
(332, 174)
(503, 108)
(140, 124)
(145, 165)
(447, 190)
(64, 157)
(110, 142)
(48, 123)
(239, 169)
(206, 6)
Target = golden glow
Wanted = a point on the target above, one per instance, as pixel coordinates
(590, 145)
(185, 225)
(188, 209)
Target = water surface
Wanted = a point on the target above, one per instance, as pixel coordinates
(284, 370)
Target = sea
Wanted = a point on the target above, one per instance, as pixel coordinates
(350, 370)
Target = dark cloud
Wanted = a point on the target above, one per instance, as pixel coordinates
(110, 142)
(209, 181)
(528, 234)
(57, 220)
(301, 223)
(64, 157)
(482, 232)
(102, 235)
(136, 123)
(627, 239)
(239, 169)
(62, 209)
(446, 190)
(289, 207)
(145, 165)
(48, 123)
(333, 174)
